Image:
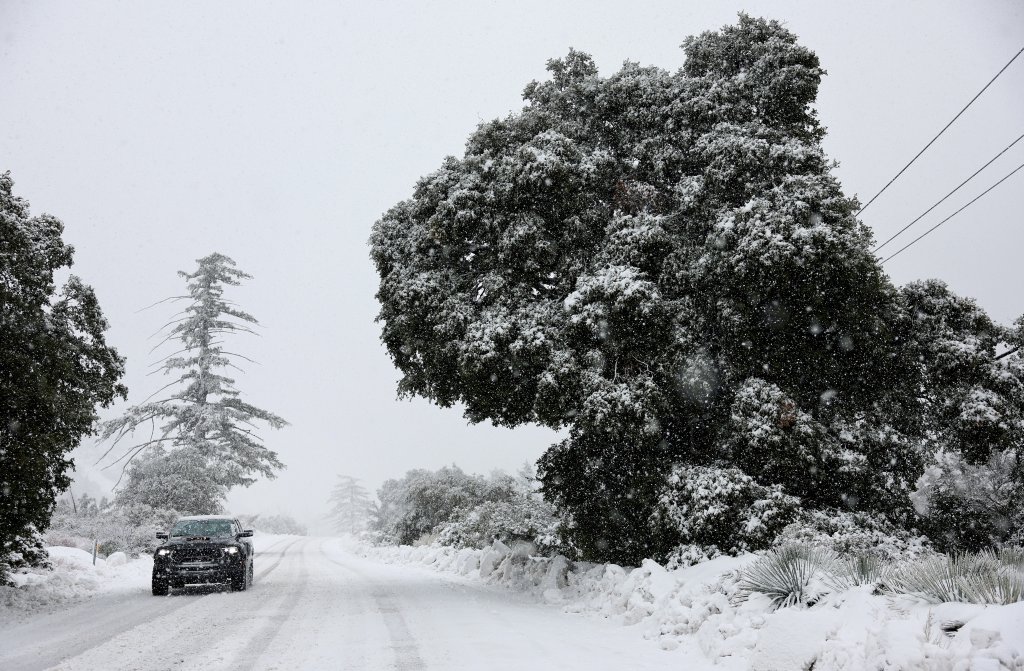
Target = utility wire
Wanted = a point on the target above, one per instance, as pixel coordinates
(944, 128)
(1007, 353)
(940, 202)
(975, 199)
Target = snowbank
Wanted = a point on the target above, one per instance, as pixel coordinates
(701, 609)
(72, 577)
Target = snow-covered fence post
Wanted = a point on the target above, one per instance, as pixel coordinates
(95, 547)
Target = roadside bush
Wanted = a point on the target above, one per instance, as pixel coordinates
(525, 517)
(130, 529)
(971, 506)
(853, 533)
(422, 502)
(24, 550)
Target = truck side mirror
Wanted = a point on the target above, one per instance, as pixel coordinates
(161, 534)
(246, 534)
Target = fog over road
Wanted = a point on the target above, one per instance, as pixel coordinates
(315, 605)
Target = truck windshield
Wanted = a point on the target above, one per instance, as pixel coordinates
(203, 528)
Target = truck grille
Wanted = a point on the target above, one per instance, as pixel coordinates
(183, 555)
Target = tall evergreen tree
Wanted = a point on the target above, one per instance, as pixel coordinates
(655, 261)
(203, 419)
(55, 370)
(350, 506)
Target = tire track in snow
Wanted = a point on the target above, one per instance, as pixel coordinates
(92, 622)
(264, 636)
(403, 643)
(201, 636)
(263, 574)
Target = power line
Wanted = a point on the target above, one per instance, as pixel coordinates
(976, 96)
(1007, 353)
(943, 199)
(976, 198)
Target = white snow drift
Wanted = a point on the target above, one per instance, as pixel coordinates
(701, 608)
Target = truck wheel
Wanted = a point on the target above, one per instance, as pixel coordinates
(160, 587)
(239, 582)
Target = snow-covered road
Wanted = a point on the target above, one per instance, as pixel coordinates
(316, 606)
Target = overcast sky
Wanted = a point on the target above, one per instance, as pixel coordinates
(277, 133)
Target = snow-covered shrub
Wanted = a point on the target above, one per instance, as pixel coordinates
(720, 510)
(423, 501)
(690, 554)
(964, 577)
(425, 540)
(129, 528)
(853, 533)
(22, 551)
(972, 505)
(526, 517)
(789, 575)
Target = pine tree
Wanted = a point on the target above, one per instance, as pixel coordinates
(350, 506)
(55, 370)
(204, 420)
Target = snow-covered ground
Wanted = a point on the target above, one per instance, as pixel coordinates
(316, 605)
(73, 578)
(698, 613)
(324, 603)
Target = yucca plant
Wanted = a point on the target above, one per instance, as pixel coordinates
(787, 574)
(999, 587)
(969, 578)
(860, 569)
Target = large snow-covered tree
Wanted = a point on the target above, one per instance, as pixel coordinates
(56, 369)
(201, 417)
(641, 258)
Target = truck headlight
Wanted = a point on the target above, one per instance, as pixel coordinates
(231, 550)
(163, 552)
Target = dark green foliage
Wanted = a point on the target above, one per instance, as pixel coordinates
(610, 492)
(723, 510)
(970, 410)
(664, 264)
(55, 370)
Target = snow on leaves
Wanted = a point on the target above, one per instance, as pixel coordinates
(657, 261)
